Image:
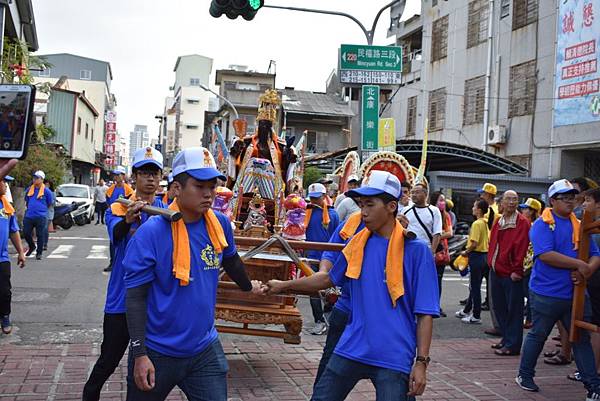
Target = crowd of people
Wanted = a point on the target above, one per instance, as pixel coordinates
(162, 289)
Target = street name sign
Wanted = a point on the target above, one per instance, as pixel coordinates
(362, 64)
(370, 117)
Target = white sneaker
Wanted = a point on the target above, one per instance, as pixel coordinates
(461, 314)
(319, 329)
(470, 320)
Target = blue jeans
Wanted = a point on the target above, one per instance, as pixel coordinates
(508, 305)
(477, 268)
(546, 311)
(41, 226)
(337, 324)
(201, 377)
(342, 374)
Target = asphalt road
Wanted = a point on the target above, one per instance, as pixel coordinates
(60, 299)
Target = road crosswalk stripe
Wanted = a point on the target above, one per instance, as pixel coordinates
(61, 252)
(98, 252)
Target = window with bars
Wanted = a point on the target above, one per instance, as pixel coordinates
(478, 22)
(474, 101)
(504, 8)
(411, 116)
(522, 89)
(437, 109)
(439, 39)
(524, 13)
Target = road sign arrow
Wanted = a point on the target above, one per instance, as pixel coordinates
(344, 56)
(397, 59)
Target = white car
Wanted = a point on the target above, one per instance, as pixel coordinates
(69, 193)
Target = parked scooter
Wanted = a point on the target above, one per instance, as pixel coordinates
(63, 214)
(80, 215)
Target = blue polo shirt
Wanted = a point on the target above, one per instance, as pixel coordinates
(8, 225)
(117, 193)
(181, 319)
(38, 207)
(343, 302)
(316, 232)
(548, 280)
(378, 334)
(115, 293)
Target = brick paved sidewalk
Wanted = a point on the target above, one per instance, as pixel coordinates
(270, 370)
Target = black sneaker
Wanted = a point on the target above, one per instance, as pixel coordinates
(38, 256)
(463, 301)
(527, 384)
(107, 269)
(30, 251)
(485, 306)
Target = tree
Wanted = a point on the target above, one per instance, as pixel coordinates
(50, 159)
(17, 63)
(311, 175)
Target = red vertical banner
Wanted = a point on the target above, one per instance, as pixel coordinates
(110, 137)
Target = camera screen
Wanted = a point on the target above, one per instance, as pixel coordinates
(13, 119)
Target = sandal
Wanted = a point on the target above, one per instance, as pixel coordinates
(576, 377)
(557, 360)
(497, 346)
(550, 354)
(505, 352)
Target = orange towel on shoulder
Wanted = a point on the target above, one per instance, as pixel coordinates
(32, 191)
(8, 208)
(128, 190)
(309, 210)
(351, 225)
(394, 261)
(182, 259)
(548, 218)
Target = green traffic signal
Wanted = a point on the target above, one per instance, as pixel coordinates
(235, 8)
(256, 4)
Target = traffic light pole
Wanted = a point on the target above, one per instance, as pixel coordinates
(369, 35)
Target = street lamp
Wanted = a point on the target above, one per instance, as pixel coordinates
(223, 98)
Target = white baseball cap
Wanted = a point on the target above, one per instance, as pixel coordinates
(561, 187)
(353, 177)
(147, 155)
(198, 162)
(119, 170)
(316, 190)
(40, 174)
(379, 182)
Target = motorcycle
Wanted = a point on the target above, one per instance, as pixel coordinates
(63, 214)
(80, 215)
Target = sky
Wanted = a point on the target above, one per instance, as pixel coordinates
(142, 39)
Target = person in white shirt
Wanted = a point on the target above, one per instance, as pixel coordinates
(100, 199)
(353, 183)
(423, 219)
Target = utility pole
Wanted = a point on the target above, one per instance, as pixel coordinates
(369, 35)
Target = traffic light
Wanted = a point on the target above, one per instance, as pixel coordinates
(234, 8)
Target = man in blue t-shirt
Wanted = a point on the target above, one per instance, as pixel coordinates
(122, 223)
(9, 229)
(171, 276)
(38, 199)
(322, 222)
(551, 289)
(392, 283)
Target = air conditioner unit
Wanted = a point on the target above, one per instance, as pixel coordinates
(496, 135)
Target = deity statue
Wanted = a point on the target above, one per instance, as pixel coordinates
(257, 215)
(293, 228)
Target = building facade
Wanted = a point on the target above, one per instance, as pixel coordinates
(83, 75)
(73, 118)
(138, 138)
(486, 78)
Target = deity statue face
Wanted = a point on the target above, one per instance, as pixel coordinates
(264, 129)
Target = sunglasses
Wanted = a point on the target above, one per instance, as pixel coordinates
(565, 198)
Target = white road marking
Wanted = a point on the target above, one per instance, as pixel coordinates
(98, 252)
(61, 252)
(80, 238)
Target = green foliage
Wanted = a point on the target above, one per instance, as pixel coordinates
(42, 133)
(311, 174)
(17, 63)
(41, 157)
